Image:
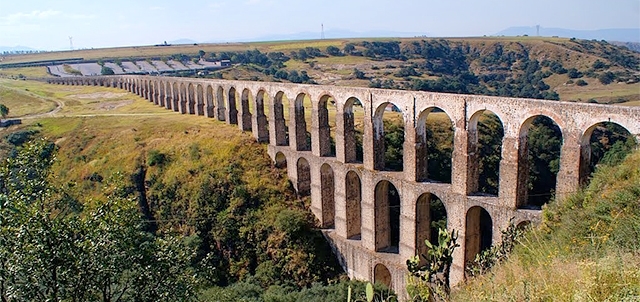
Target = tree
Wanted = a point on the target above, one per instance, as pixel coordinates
(53, 247)
(201, 53)
(435, 272)
(607, 77)
(106, 71)
(333, 51)
(4, 111)
(359, 74)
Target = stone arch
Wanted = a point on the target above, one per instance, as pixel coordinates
(304, 177)
(152, 94)
(434, 135)
(222, 109)
(281, 131)
(353, 203)
(603, 135)
(380, 160)
(431, 215)
(162, 94)
(210, 103)
(478, 232)
(327, 189)
(280, 160)
(200, 106)
(260, 121)
(387, 217)
(353, 151)
(535, 194)
(183, 98)
(191, 99)
(301, 133)
(176, 97)
(232, 107)
(382, 275)
(326, 141)
(485, 132)
(245, 110)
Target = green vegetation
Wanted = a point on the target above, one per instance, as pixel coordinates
(58, 247)
(587, 247)
(4, 111)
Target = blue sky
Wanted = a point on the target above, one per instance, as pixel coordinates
(47, 24)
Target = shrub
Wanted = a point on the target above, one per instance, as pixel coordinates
(581, 82)
(155, 158)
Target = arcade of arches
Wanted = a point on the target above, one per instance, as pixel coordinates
(331, 141)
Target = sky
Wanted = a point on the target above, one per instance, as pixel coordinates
(48, 24)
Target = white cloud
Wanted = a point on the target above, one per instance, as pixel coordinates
(34, 15)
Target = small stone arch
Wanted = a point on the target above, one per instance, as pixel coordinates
(478, 232)
(382, 275)
(260, 123)
(222, 109)
(426, 142)
(183, 99)
(301, 135)
(484, 130)
(353, 151)
(327, 188)
(353, 187)
(431, 215)
(380, 162)
(176, 97)
(610, 131)
(280, 160)
(232, 107)
(387, 217)
(191, 99)
(162, 95)
(281, 131)
(304, 177)
(245, 110)
(210, 103)
(200, 106)
(326, 143)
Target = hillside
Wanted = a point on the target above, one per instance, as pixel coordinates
(586, 249)
(534, 67)
(200, 179)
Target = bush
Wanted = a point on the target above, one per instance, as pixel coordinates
(20, 137)
(606, 78)
(581, 82)
(155, 158)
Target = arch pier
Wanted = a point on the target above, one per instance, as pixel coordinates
(375, 218)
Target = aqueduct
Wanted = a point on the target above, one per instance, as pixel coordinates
(375, 219)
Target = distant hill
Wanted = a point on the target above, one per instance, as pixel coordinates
(328, 34)
(15, 49)
(612, 34)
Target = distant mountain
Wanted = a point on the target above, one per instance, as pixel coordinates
(329, 34)
(612, 34)
(15, 48)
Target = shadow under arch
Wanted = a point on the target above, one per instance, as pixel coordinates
(353, 138)
(478, 232)
(388, 138)
(485, 139)
(539, 153)
(327, 189)
(387, 217)
(434, 145)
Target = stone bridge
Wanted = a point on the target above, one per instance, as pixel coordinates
(372, 232)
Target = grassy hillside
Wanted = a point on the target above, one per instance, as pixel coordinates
(194, 176)
(587, 248)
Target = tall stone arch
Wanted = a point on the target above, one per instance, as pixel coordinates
(200, 106)
(327, 189)
(304, 177)
(244, 123)
(210, 104)
(379, 148)
(353, 205)
(222, 109)
(260, 122)
(278, 131)
(387, 217)
(299, 124)
(323, 145)
(425, 140)
(232, 107)
(353, 152)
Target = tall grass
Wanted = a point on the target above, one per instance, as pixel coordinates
(586, 249)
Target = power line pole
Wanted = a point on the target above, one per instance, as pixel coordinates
(321, 31)
(71, 42)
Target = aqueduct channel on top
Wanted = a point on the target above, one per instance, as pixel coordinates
(376, 219)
